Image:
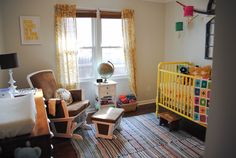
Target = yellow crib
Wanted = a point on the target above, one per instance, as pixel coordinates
(176, 91)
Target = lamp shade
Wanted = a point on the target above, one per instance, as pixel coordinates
(8, 61)
(188, 11)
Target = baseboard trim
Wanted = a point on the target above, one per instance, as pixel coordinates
(144, 102)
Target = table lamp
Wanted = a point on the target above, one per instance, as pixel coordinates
(9, 61)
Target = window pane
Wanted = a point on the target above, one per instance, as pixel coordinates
(112, 32)
(85, 55)
(84, 32)
(85, 63)
(116, 56)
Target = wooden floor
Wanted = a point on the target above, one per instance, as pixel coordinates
(63, 147)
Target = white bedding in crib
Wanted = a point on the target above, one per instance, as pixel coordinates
(17, 116)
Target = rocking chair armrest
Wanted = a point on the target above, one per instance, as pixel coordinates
(61, 110)
(65, 119)
(76, 94)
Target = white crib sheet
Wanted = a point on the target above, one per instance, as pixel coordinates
(17, 116)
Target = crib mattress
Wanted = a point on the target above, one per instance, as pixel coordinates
(17, 116)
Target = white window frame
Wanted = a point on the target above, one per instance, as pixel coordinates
(97, 50)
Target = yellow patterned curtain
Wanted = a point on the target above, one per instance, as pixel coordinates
(66, 45)
(128, 29)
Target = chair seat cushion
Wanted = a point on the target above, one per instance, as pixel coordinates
(76, 107)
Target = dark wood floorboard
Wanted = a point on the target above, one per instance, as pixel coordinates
(62, 148)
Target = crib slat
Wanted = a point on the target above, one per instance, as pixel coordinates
(178, 93)
(175, 93)
(163, 90)
(187, 96)
(164, 87)
(169, 96)
(172, 91)
(182, 95)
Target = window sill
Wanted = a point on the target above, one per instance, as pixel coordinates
(117, 77)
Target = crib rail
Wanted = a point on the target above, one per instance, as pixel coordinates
(175, 91)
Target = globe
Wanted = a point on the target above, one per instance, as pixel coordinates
(106, 70)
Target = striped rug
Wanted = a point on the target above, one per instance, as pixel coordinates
(141, 137)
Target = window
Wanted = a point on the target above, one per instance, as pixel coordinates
(112, 44)
(210, 31)
(99, 40)
(210, 27)
(86, 47)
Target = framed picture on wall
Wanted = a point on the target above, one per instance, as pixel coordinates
(30, 29)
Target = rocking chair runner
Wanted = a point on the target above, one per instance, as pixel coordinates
(67, 117)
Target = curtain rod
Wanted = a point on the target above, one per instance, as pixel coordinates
(101, 9)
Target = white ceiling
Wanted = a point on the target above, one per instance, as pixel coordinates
(159, 1)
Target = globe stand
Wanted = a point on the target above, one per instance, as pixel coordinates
(105, 80)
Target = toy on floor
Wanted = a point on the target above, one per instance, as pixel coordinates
(127, 102)
(126, 99)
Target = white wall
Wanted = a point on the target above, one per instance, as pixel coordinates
(149, 31)
(31, 57)
(1, 30)
(190, 46)
(220, 138)
(3, 73)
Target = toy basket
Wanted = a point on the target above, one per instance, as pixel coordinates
(127, 102)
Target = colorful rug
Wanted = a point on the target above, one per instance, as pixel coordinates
(141, 137)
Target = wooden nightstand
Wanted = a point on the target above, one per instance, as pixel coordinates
(40, 136)
(105, 94)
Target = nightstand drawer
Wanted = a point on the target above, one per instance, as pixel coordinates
(107, 90)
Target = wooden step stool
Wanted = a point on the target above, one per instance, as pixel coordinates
(106, 120)
(170, 119)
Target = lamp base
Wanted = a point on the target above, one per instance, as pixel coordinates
(12, 87)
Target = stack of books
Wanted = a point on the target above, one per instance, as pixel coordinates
(104, 102)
